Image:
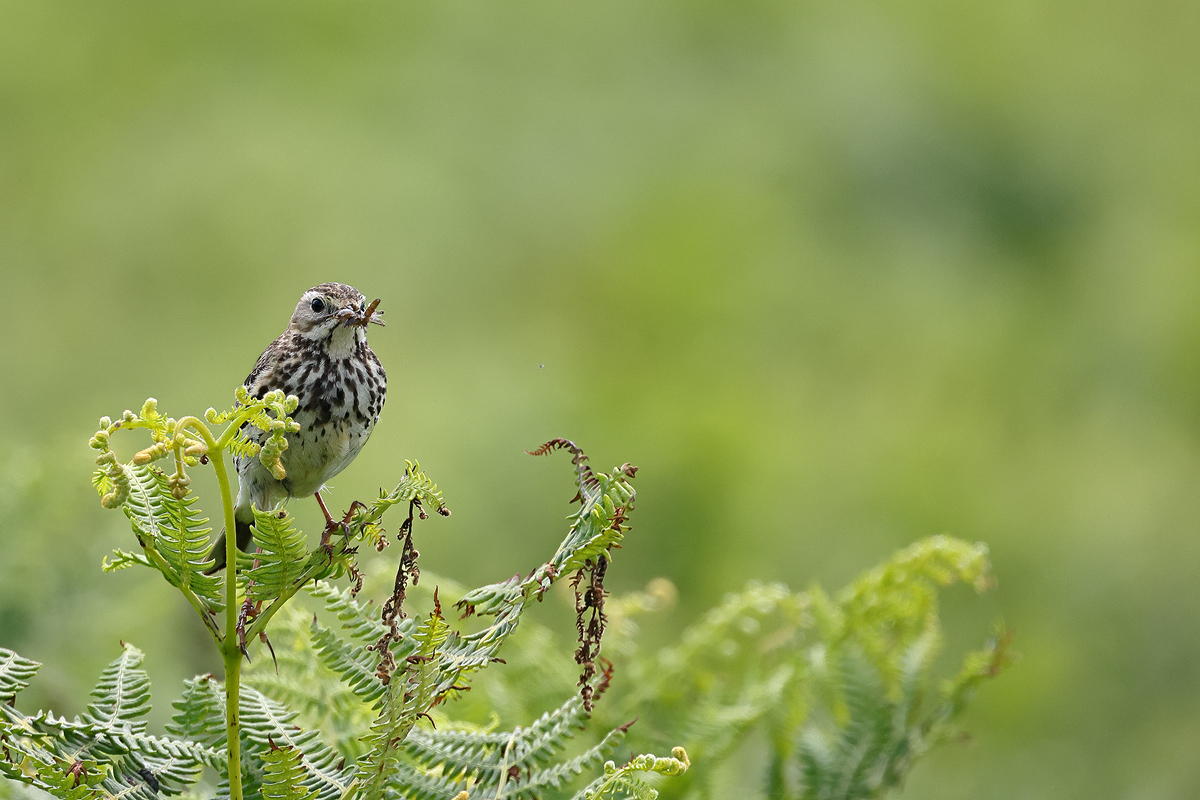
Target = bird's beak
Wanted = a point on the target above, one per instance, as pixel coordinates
(351, 317)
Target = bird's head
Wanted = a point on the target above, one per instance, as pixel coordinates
(334, 313)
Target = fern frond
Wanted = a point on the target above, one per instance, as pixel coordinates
(354, 663)
(282, 559)
(122, 694)
(26, 758)
(605, 502)
(267, 724)
(626, 782)
(508, 766)
(713, 727)
(472, 755)
(351, 659)
(172, 529)
(408, 697)
(15, 674)
(299, 679)
(978, 666)
(890, 606)
(283, 776)
(110, 734)
(242, 446)
(857, 760)
(356, 620)
(535, 783)
(415, 485)
(123, 560)
(200, 716)
(112, 727)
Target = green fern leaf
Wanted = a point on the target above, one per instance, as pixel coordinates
(123, 560)
(15, 674)
(354, 663)
(299, 679)
(892, 605)
(473, 755)
(267, 724)
(625, 783)
(283, 775)
(414, 486)
(200, 717)
(408, 697)
(27, 757)
(112, 734)
(242, 446)
(172, 529)
(122, 694)
(605, 502)
(355, 619)
(516, 764)
(282, 558)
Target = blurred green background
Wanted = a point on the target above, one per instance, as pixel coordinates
(836, 276)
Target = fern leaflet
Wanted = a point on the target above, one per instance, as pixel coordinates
(283, 775)
(281, 560)
(267, 724)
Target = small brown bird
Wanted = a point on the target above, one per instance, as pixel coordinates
(322, 358)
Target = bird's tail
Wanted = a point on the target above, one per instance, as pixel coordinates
(218, 552)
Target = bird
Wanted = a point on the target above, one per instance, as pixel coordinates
(324, 360)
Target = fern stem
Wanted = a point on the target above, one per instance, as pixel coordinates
(231, 651)
(260, 622)
(233, 692)
(231, 430)
(165, 568)
(233, 654)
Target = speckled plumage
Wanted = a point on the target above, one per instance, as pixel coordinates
(323, 358)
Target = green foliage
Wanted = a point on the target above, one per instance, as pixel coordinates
(199, 715)
(267, 724)
(627, 782)
(283, 777)
(404, 702)
(107, 749)
(299, 677)
(15, 674)
(279, 559)
(842, 688)
(172, 535)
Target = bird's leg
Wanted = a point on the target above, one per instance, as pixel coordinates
(331, 524)
(345, 523)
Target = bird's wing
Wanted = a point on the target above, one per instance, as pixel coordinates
(262, 378)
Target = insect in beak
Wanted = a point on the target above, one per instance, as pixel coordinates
(351, 317)
(370, 315)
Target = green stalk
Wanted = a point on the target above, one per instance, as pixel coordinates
(232, 654)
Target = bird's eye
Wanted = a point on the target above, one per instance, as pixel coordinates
(318, 305)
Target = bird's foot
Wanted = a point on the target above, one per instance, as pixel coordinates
(332, 525)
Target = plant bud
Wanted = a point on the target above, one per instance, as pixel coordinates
(120, 487)
(105, 422)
